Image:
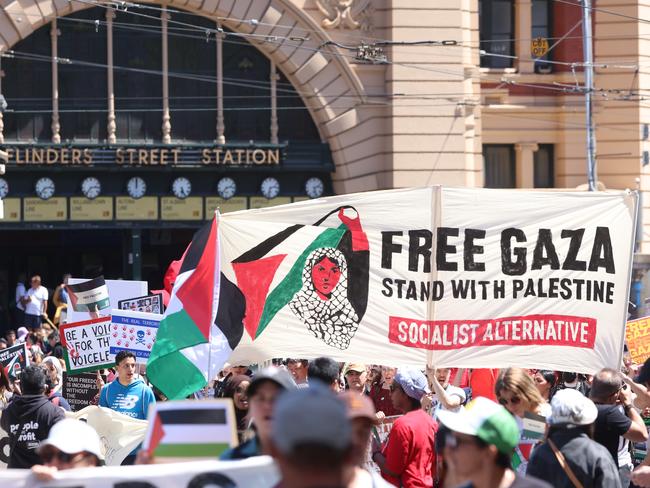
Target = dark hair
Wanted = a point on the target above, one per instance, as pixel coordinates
(32, 380)
(549, 376)
(304, 362)
(122, 355)
(54, 336)
(10, 331)
(324, 369)
(606, 383)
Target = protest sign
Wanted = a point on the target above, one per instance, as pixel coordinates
(89, 296)
(120, 434)
(454, 277)
(135, 332)
(189, 429)
(80, 389)
(86, 345)
(150, 304)
(14, 359)
(117, 290)
(256, 472)
(637, 335)
(5, 449)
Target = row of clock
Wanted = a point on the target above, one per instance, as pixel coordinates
(136, 187)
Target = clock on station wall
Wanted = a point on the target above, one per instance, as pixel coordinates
(44, 188)
(226, 188)
(181, 187)
(4, 188)
(91, 187)
(314, 187)
(136, 187)
(270, 187)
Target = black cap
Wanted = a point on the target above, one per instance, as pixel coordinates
(644, 374)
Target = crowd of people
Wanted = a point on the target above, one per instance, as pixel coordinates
(321, 421)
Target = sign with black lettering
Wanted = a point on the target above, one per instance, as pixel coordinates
(456, 277)
(79, 389)
(87, 345)
(14, 359)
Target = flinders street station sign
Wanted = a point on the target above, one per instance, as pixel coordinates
(195, 155)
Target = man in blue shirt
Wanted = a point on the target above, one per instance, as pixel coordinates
(127, 394)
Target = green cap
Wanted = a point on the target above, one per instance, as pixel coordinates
(486, 420)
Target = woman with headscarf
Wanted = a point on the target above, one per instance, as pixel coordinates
(54, 382)
(322, 302)
(237, 390)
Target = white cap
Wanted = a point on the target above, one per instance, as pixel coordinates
(72, 436)
(569, 406)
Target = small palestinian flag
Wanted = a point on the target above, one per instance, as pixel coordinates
(191, 429)
(89, 296)
(196, 334)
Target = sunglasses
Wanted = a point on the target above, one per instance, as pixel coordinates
(515, 400)
(52, 455)
(450, 441)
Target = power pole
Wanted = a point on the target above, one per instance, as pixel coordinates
(587, 48)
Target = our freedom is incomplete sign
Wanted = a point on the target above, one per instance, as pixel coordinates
(87, 345)
(452, 277)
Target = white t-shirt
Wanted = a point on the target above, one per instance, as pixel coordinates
(36, 298)
(451, 390)
(20, 292)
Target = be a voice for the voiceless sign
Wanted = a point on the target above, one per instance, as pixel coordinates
(87, 345)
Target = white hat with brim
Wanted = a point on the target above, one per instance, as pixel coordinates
(73, 436)
(570, 407)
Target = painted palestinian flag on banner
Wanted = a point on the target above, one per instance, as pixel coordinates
(196, 334)
(89, 296)
(326, 280)
(188, 429)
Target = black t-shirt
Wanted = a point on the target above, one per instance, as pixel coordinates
(610, 425)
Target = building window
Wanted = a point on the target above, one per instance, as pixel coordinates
(544, 166)
(496, 32)
(542, 27)
(499, 165)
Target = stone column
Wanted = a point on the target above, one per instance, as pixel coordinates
(56, 126)
(274, 104)
(524, 34)
(525, 164)
(166, 118)
(221, 138)
(111, 126)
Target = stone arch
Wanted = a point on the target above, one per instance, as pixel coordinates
(332, 88)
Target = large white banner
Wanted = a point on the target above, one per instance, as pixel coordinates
(448, 276)
(258, 472)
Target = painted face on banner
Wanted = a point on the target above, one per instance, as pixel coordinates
(325, 276)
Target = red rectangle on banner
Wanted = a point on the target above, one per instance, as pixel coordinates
(525, 330)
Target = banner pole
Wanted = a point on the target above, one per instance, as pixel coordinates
(436, 215)
(635, 195)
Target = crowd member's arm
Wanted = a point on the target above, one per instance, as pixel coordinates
(642, 399)
(637, 432)
(641, 476)
(448, 401)
(393, 458)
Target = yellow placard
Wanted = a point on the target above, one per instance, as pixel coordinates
(52, 210)
(11, 210)
(190, 208)
(231, 205)
(539, 47)
(145, 208)
(637, 335)
(263, 202)
(83, 209)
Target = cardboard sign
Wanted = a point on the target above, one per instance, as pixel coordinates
(255, 472)
(80, 390)
(86, 345)
(14, 359)
(117, 290)
(149, 304)
(135, 332)
(190, 429)
(637, 335)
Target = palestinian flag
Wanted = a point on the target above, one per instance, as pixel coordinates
(196, 334)
(89, 296)
(196, 430)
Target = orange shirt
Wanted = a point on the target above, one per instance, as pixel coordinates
(482, 381)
